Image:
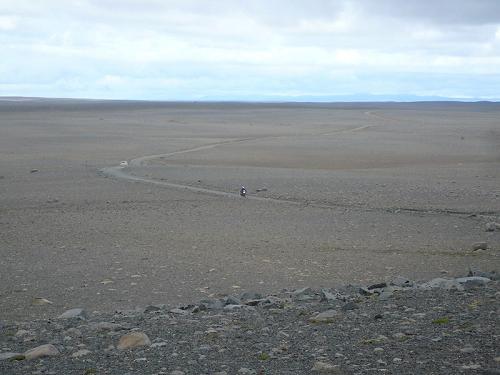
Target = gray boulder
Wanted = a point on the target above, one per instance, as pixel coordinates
(442, 283)
(73, 313)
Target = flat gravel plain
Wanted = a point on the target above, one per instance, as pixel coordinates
(359, 193)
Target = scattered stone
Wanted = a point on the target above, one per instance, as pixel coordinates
(385, 295)
(159, 344)
(303, 294)
(472, 281)
(9, 355)
(329, 295)
(440, 328)
(350, 306)
(442, 283)
(365, 291)
(399, 335)
(325, 368)
(248, 296)
(46, 350)
(402, 282)
(272, 302)
(34, 170)
(467, 349)
(81, 353)
(133, 340)
(472, 366)
(232, 300)
(489, 275)
(22, 332)
(282, 335)
(327, 316)
(179, 311)
(480, 246)
(491, 227)
(73, 332)
(73, 313)
(237, 307)
(152, 309)
(246, 371)
(106, 326)
(211, 304)
(41, 301)
(377, 286)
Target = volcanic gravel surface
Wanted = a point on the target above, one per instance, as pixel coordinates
(442, 326)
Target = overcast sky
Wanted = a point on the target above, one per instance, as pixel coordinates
(250, 50)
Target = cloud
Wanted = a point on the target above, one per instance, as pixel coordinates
(7, 23)
(190, 49)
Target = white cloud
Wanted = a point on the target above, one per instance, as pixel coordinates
(7, 23)
(263, 47)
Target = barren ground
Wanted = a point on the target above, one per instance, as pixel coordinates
(360, 193)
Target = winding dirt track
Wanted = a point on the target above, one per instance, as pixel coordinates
(121, 172)
(124, 173)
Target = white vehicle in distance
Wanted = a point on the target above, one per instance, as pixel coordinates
(124, 163)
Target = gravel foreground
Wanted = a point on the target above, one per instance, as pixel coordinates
(442, 326)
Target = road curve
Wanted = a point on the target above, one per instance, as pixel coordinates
(124, 173)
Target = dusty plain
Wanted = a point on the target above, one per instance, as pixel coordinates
(358, 193)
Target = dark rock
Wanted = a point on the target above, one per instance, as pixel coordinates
(365, 291)
(490, 275)
(480, 246)
(179, 311)
(350, 306)
(246, 296)
(402, 282)
(212, 304)
(329, 295)
(272, 302)
(152, 309)
(377, 286)
(232, 300)
(254, 302)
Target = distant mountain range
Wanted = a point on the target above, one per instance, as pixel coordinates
(280, 98)
(345, 98)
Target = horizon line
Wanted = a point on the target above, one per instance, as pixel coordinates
(19, 98)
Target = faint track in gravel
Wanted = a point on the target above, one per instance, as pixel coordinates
(123, 173)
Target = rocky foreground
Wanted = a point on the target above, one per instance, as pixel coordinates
(443, 326)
